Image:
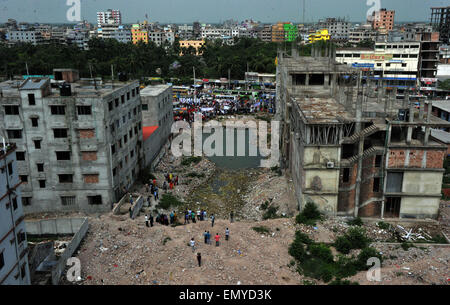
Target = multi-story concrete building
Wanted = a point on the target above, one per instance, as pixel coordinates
(29, 36)
(440, 20)
(196, 44)
(79, 147)
(215, 33)
(13, 241)
(139, 32)
(393, 63)
(429, 57)
(350, 153)
(109, 16)
(265, 33)
(157, 119)
(112, 31)
(382, 20)
(338, 28)
(360, 34)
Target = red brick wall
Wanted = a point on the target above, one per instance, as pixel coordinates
(435, 158)
(396, 158)
(89, 155)
(91, 178)
(87, 133)
(415, 158)
(371, 210)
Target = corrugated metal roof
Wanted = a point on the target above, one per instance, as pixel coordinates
(34, 83)
(441, 135)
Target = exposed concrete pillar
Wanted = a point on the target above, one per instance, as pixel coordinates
(307, 79)
(411, 120)
(406, 99)
(427, 128)
(421, 106)
(326, 80)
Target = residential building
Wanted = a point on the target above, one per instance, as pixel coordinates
(351, 154)
(27, 36)
(80, 145)
(110, 15)
(362, 33)
(139, 32)
(382, 20)
(278, 32)
(339, 29)
(395, 64)
(13, 237)
(265, 33)
(290, 32)
(157, 119)
(215, 33)
(196, 44)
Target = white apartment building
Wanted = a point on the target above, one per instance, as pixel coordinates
(79, 147)
(215, 33)
(28, 36)
(14, 268)
(396, 63)
(109, 16)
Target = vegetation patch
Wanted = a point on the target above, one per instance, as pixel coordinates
(316, 260)
(167, 201)
(271, 213)
(355, 238)
(166, 240)
(309, 215)
(355, 222)
(189, 160)
(384, 225)
(261, 230)
(196, 175)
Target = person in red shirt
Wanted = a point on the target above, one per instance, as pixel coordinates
(217, 238)
(171, 185)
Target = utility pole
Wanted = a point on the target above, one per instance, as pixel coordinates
(26, 65)
(112, 75)
(193, 69)
(229, 80)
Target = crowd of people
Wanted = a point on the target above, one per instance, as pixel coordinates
(211, 106)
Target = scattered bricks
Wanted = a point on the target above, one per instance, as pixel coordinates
(92, 178)
(89, 155)
(87, 133)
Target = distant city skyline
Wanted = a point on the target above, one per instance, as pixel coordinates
(214, 11)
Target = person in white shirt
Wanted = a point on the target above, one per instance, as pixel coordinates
(192, 243)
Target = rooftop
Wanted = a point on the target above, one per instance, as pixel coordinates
(322, 110)
(154, 90)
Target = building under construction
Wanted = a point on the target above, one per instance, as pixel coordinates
(440, 20)
(352, 149)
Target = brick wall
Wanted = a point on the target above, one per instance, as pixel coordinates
(87, 133)
(396, 158)
(415, 158)
(89, 155)
(435, 158)
(373, 209)
(93, 178)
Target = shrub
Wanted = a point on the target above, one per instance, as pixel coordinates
(309, 215)
(342, 282)
(264, 205)
(383, 225)
(303, 238)
(321, 251)
(355, 222)
(167, 201)
(261, 229)
(196, 175)
(406, 245)
(188, 160)
(364, 255)
(355, 238)
(342, 244)
(297, 250)
(271, 213)
(439, 239)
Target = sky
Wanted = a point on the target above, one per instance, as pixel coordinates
(215, 11)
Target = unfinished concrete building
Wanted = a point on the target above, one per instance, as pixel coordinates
(352, 150)
(79, 144)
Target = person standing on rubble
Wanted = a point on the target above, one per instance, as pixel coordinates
(212, 220)
(131, 212)
(192, 243)
(199, 259)
(151, 220)
(146, 220)
(217, 238)
(227, 234)
(206, 237)
(231, 216)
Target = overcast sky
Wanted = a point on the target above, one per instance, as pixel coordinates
(212, 11)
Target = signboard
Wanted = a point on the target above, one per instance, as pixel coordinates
(356, 65)
(377, 57)
(428, 80)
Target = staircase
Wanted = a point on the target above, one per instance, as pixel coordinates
(363, 133)
(368, 152)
